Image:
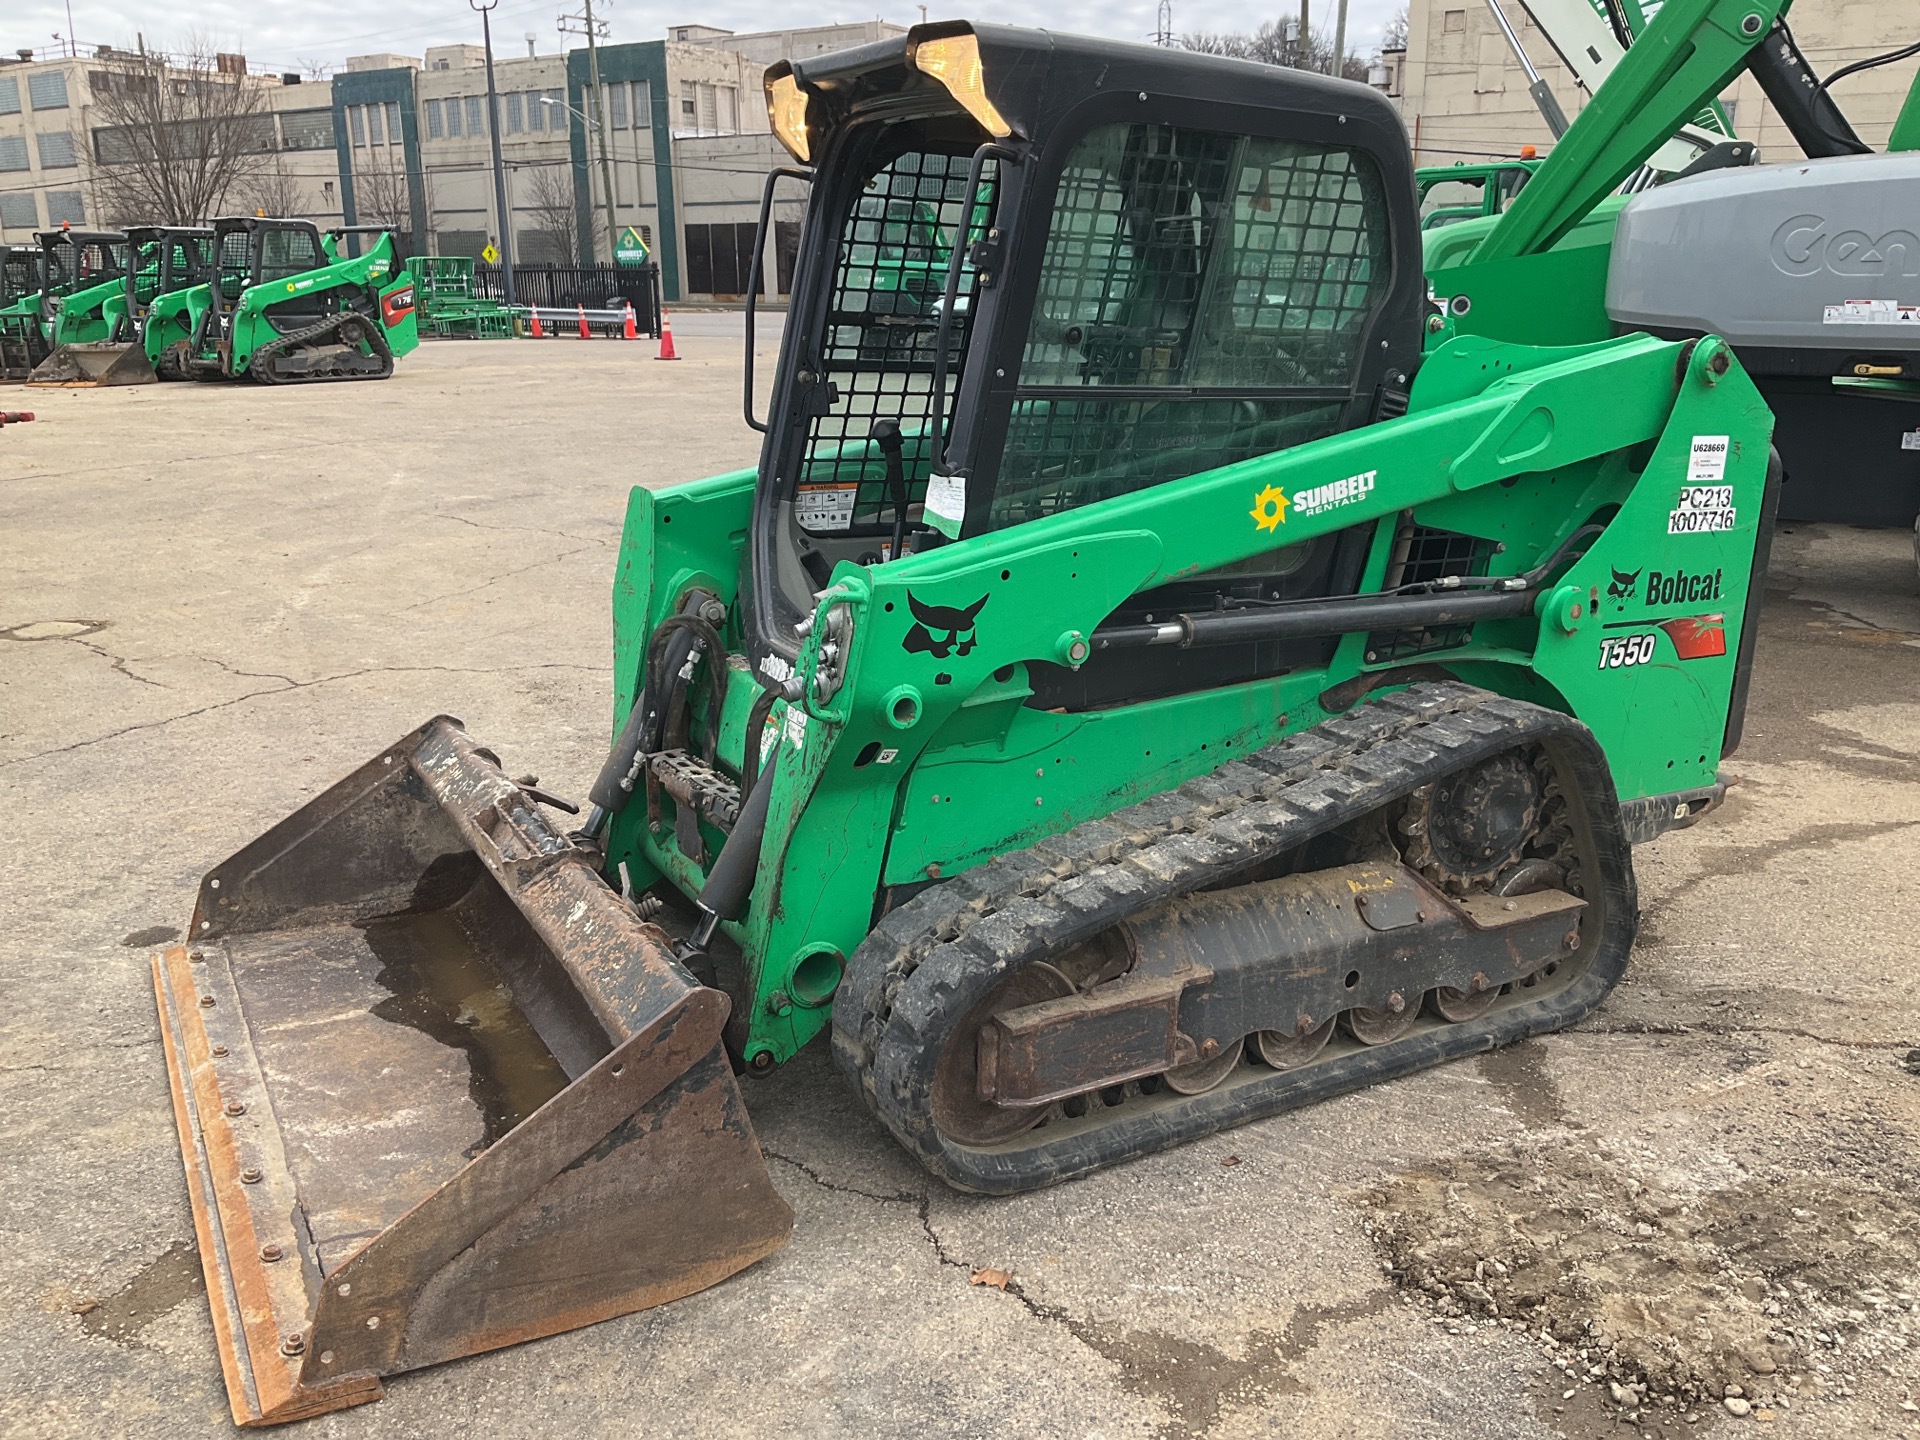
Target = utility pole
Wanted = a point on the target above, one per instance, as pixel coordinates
(1163, 28)
(1340, 41)
(598, 110)
(500, 206)
(1306, 37)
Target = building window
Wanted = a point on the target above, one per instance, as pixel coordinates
(48, 90)
(19, 211)
(1454, 21)
(475, 125)
(357, 124)
(642, 105)
(56, 150)
(66, 207)
(720, 259)
(689, 103)
(616, 103)
(536, 112)
(434, 127)
(557, 111)
(10, 96)
(306, 129)
(393, 122)
(453, 118)
(375, 130)
(13, 152)
(729, 109)
(516, 120)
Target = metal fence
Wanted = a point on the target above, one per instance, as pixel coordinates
(596, 287)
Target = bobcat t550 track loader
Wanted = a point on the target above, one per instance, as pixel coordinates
(1155, 694)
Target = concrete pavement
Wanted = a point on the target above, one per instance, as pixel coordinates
(215, 601)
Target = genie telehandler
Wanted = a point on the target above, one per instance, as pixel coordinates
(1181, 683)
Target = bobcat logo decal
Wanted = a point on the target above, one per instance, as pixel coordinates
(941, 630)
(1622, 586)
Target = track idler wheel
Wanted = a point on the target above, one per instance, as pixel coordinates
(1382, 1024)
(1281, 1051)
(1204, 1075)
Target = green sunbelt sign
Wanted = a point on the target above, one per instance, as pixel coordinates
(630, 249)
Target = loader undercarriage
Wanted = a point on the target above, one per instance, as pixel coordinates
(1180, 966)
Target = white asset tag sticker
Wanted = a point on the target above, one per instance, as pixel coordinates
(947, 503)
(1703, 510)
(1910, 439)
(1708, 462)
(824, 507)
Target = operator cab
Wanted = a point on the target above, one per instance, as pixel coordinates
(1040, 271)
(20, 271)
(1470, 192)
(255, 250)
(167, 258)
(77, 260)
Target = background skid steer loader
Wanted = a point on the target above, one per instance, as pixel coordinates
(1155, 695)
(23, 343)
(86, 310)
(282, 308)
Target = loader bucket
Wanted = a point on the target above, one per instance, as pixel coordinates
(439, 1090)
(85, 367)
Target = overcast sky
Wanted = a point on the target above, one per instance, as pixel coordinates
(285, 35)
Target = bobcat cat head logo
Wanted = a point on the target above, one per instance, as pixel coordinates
(941, 630)
(1622, 585)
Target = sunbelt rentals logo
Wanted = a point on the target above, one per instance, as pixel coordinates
(1270, 506)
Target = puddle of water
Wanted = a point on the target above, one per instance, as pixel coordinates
(443, 987)
(170, 1278)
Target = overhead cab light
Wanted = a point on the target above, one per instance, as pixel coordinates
(787, 112)
(954, 61)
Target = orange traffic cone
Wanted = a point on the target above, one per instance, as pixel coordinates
(632, 331)
(583, 323)
(538, 333)
(666, 339)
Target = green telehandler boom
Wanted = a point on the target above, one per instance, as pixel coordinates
(1170, 693)
(281, 306)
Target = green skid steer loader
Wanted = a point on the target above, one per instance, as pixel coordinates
(174, 293)
(162, 259)
(282, 307)
(1182, 689)
(90, 276)
(23, 341)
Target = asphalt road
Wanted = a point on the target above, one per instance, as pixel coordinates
(214, 602)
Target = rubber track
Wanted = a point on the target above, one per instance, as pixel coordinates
(261, 366)
(925, 965)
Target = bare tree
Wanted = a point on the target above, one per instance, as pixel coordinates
(174, 138)
(1276, 43)
(1394, 36)
(272, 191)
(381, 196)
(550, 189)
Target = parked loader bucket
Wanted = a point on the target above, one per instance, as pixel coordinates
(439, 1090)
(103, 362)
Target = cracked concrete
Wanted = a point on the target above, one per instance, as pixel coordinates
(219, 601)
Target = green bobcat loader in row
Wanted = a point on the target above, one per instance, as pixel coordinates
(161, 260)
(23, 341)
(276, 303)
(88, 279)
(1188, 685)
